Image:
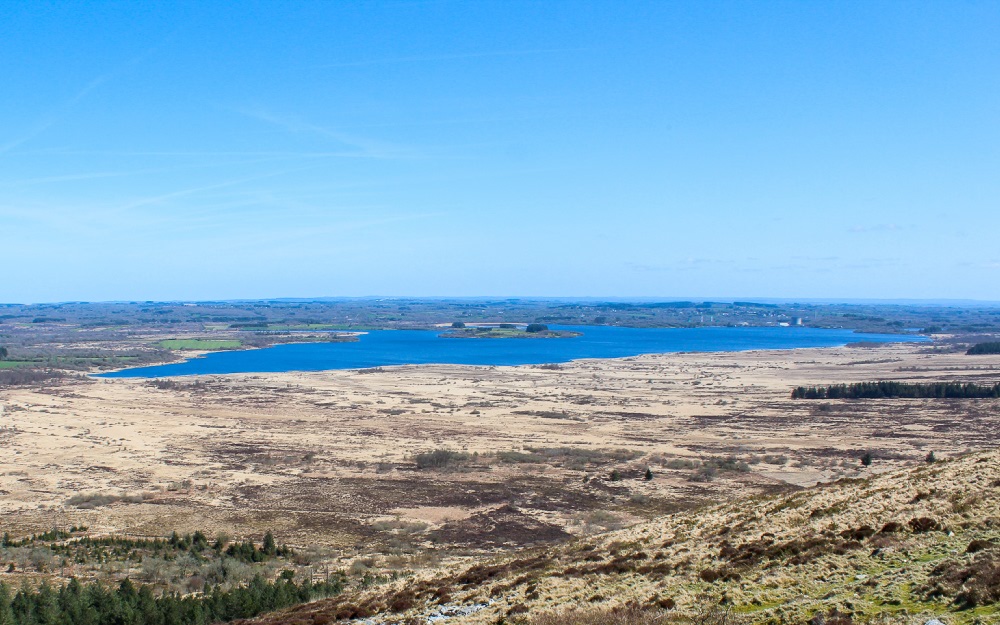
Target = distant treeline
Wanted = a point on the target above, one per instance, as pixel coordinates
(880, 390)
(25, 376)
(984, 348)
(96, 604)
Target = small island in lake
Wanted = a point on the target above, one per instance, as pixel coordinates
(460, 330)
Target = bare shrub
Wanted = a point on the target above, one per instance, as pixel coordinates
(968, 584)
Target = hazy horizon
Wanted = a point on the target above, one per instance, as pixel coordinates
(199, 152)
(586, 299)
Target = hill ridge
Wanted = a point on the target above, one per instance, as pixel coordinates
(902, 546)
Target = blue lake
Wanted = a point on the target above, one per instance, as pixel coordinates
(382, 348)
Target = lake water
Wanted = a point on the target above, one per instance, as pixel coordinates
(383, 348)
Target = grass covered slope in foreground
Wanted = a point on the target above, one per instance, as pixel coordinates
(898, 547)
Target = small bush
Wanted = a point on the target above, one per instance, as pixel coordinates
(924, 525)
(440, 458)
(979, 545)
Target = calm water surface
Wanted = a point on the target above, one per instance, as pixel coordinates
(382, 348)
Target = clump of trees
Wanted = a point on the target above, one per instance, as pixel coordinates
(128, 604)
(3, 353)
(906, 390)
(247, 551)
(978, 349)
(536, 327)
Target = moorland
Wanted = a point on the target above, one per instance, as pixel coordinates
(372, 482)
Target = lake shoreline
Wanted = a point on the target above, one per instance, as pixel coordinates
(391, 348)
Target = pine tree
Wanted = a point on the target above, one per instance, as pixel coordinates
(270, 547)
(649, 474)
(6, 613)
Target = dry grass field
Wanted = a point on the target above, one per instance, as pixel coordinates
(408, 467)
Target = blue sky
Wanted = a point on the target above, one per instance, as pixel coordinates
(213, 150)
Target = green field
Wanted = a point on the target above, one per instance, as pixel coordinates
(200, 344)
(11, 364)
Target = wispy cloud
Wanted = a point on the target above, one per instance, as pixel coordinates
(62, 110)
(53, 118)
(360, 146)
(451, 57)
(249, 160)
(159, 199)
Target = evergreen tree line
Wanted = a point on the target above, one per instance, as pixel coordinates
(984, 348)
(86, 548)
(97, 604)
(885, 389)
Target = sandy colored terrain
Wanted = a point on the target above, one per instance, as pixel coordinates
(320, 457)
(901, 548)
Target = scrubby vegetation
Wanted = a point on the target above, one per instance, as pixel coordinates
(632, 614)
(884, 389)
(200, 344)
(440, 459)
(971, 583)
(569, 457)
(26, 376)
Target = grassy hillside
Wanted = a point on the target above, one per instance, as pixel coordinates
(901, 547)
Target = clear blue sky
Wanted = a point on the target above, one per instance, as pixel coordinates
(211, 150)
